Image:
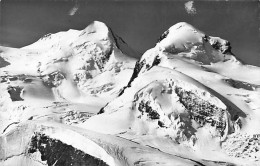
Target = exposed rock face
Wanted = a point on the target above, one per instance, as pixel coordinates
(243, 146)
(75, 117)
(46, 37)
(144, 107)
(241, 84)
(22, 77)
(3, 63)
(219, 44)
(201, 110)
(15, 93)
(141, 65)
(172, 106)
(57, 153)
(103, 88)
(53, 80)
(138, 66)
(163, 36)
(101, 60)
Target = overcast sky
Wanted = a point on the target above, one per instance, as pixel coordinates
(139, 22)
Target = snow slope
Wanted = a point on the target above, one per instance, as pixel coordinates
(78, 97)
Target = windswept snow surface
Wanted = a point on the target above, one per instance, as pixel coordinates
(80, 98)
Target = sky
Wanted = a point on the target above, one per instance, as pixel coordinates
(138, 22)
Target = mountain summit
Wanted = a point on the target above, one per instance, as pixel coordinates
(183, 37)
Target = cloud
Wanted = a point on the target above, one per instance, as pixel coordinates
(74, 10)
(190, 8)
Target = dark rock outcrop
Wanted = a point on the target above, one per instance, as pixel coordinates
(163, 36)
(202, 111)
(58, 153)
(138, 66)
(144, 107)
(53, 80)
(240, 84)
(15, 93)
(3, 63)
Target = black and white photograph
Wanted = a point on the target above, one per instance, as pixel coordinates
(129, 83)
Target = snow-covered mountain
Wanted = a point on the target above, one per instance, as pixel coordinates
(76, 59)
(87, 68)
(79, 98)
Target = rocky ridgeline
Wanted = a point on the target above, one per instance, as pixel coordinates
(201, 110)
(219, 44)
(141, 66)
(194, 107)
(163, 36)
